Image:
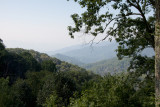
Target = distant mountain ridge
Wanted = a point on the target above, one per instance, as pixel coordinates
(90, 54)
(68, 59)
(100, 58)
(76, 47)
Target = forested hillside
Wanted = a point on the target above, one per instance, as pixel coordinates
(32, 79)
(40, 57)
(29, 78)
(109, 66)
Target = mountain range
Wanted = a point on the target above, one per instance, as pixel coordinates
(99, 58)
(86, 54)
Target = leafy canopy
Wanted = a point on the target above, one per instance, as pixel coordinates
(130, 22)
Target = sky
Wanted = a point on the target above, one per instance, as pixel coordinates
(38, 24)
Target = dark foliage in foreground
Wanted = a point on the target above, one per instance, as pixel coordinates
(31, 79)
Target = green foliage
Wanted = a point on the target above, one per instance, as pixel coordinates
(46, 90)
(115, 91)
(5, 93)
(109, 66)
(22, 94)
(48, 65)
(38, 56)
(16, 64)
(71, 85)
(31, 63)
(81, 78)
(50, 102)
(130, 22)
(126, 21)
(44, 58)
(35, 80)
(146, 68)
(12, 65)
(57, 85)
(57, 90)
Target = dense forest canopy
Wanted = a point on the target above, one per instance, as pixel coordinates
(29, 78)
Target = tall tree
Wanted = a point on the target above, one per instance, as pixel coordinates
(157, 53)
(130, 22)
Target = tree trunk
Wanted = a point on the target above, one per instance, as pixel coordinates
(157, 55)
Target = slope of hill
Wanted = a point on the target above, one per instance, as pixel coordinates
(93, 54)
(68, 59)
(109, 66)
(60, 65)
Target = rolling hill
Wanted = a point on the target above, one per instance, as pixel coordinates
(109, 66)
(60, 65)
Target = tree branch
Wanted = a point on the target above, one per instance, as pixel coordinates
(132, 14)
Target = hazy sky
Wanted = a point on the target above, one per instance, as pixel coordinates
(37, 24)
